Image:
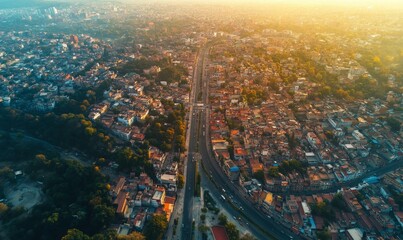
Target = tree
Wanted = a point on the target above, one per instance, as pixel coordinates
(109, 234)
(232, 231)
(222, 219)
(181, 181)
(247, 236)
(102, 216)
(290, 166)
(324, 210)
(323, 235)
(6, 174)
(259, 175)
(394, 124)
(273, 172)
(3, 208)
(75, 234)
(170, 74)
(132, 236)
(338, 202)
(203, 228)
(376, 60)
(156, 227)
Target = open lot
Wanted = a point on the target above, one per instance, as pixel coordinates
(24, 194)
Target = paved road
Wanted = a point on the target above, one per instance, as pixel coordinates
(192, 149)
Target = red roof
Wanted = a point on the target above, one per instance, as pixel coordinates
(219, 233)
(170, 200)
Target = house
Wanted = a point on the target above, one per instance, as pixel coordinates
(124, 229)
(139, 221)
(118, 187)
(268, 200)
(239, 153)
(126, 118)
(121, 203)
(158, 198)
(168, 179)
(313, 140)
(231, 170)
(355, 234)
(169, 206)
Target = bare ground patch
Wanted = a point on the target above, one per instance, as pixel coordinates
(25, 194)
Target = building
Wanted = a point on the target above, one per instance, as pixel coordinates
(118, 187)
(158, 198)
(231, 170)
(168, 179)
(121, 203)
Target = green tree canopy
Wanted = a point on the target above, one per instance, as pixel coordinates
(259, 175)
(155, 228)
(394, 124)
(75, 234)
(132, 236)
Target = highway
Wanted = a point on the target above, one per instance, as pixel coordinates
(192, 149)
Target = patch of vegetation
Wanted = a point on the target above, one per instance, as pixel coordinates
(259, 175)
(76, 197)
(209, 202)
(156, 227)
(394, 124)
(323, 209)
(287, 167)
(172, 73)
(61, 130)
(232, 231)
(138, 66)
(254, 96)
(168, 132)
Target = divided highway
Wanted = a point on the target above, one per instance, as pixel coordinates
(192, 146)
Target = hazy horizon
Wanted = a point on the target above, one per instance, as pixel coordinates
(247, 2)
(299, 2)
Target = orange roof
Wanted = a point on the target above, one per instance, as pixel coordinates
(225, 154)
(168, 209)
(170, 200)
(240, 151)
(256, 167)
(122, 202)
(234, 132)
(119, 185)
